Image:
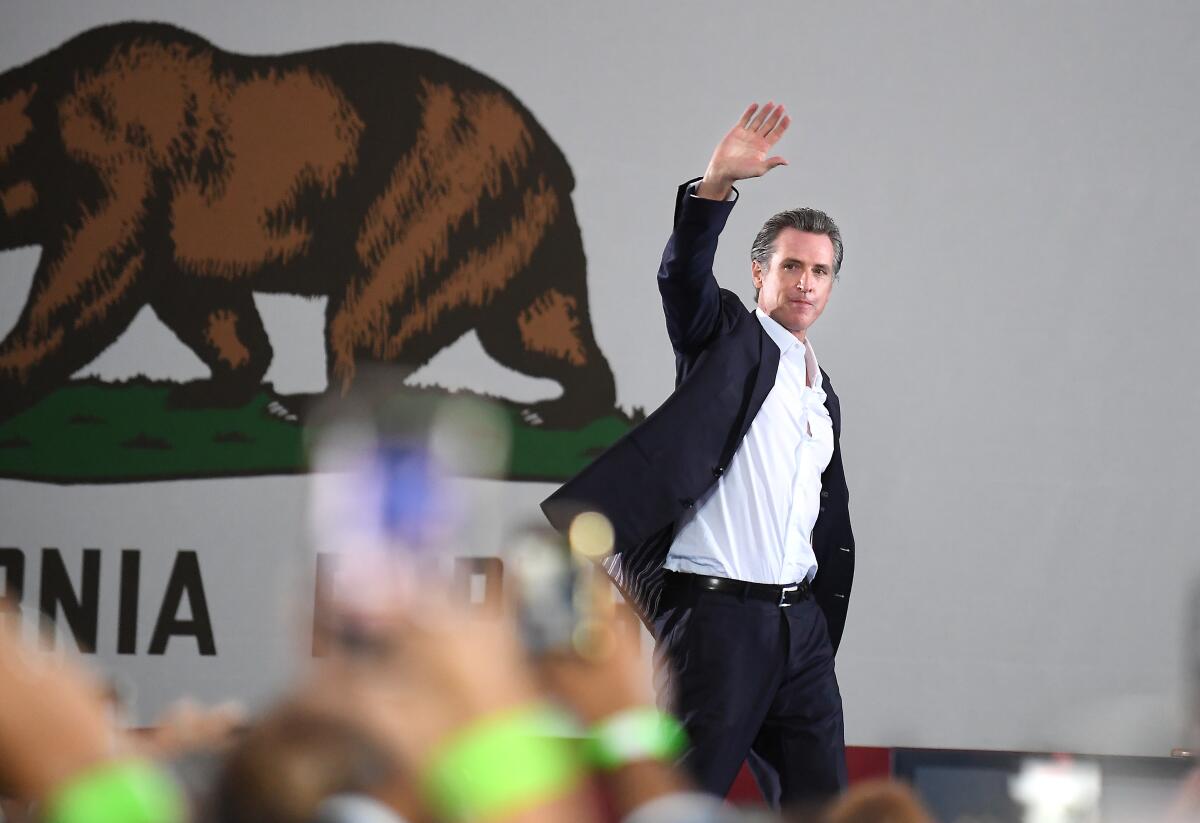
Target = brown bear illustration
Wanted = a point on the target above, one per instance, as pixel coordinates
(416, 194)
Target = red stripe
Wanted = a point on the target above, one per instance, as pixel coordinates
(862, 763)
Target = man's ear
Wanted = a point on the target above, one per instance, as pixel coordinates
(756, 273)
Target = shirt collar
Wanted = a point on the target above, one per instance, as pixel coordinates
(787, 343)
(783, 338)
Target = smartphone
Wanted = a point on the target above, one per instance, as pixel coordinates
(387, 508)
(548, 586)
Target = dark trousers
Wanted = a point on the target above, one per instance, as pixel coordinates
(750, 679)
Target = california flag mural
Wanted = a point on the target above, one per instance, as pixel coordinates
(421, 199)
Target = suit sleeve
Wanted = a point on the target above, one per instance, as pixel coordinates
(690, 295)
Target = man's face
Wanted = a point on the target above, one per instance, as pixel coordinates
(795, 287)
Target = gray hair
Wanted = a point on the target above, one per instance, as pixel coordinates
(807, 220)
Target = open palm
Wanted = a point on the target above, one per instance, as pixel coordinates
(746, 150)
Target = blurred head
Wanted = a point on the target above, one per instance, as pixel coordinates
(877, 801)
(794, 260)
(291, 761)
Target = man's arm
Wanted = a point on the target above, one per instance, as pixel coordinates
(691, 299)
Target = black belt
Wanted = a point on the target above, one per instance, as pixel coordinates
(782, 595)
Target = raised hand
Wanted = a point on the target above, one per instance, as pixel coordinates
(745, 151)
(53, 722)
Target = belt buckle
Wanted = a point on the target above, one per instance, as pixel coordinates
(783, 592)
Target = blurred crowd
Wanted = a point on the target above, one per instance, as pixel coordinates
(426, 712)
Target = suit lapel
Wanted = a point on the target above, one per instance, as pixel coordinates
(764, 379)
(832, 404)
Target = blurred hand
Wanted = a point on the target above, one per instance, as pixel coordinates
(53, 720)
(423, 669)
(609, 674)
(1185, 808)
(438, 669)
(187, 725)
(745, 151)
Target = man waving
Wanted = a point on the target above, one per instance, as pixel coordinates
(729, 502)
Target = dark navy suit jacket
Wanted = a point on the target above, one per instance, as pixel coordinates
(725, 366)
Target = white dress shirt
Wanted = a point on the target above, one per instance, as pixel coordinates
(756, 523)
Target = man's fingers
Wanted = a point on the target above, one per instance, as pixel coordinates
(761, 117)
(772, 162)
(747, 115)
(779, 128)
(772, 121)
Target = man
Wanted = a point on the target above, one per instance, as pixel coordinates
(729, 503)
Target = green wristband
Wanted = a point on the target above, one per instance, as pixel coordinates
(503, 764)
(641, 733)
(128, 791)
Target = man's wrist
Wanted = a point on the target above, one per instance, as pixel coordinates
(714, 187)
(691, 188)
